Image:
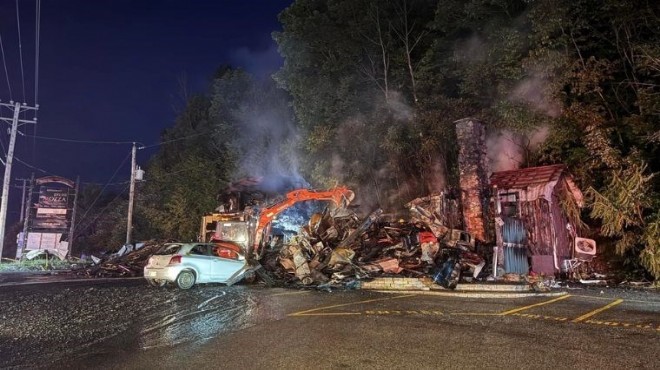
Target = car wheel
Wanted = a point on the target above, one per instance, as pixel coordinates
(185, 280)
(156, 283)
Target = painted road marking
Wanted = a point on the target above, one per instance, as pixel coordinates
(592, 322)
(584, 319)
(610, 298)
(544, 317)
(313, 312)
(589, 314)
(533, 305)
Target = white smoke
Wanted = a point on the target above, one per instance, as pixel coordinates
(260, 63)
(267, 140)
(470, 50)
(534, 91)
(504, 151)
(507, 150)
(435, 181)
(399, 108)
(337, 167)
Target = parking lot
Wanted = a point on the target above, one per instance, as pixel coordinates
(126, 324)
(569, 309)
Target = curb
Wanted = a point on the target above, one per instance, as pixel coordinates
(426, 284)
(475, 294)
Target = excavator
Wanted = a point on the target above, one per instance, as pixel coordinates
(245, 231)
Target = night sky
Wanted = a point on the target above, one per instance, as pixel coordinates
(110, 70)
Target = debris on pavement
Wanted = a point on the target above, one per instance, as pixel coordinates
(337, 247)
(128, 261)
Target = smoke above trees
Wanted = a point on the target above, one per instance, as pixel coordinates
(370, 89)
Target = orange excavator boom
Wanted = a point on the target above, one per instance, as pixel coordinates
(340, 196)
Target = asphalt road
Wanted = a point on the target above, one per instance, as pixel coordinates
(129, 325)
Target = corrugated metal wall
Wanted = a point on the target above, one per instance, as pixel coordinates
(514, 237)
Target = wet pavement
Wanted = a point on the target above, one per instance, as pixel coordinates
(45, 324)
(126, 324)
(18, 278)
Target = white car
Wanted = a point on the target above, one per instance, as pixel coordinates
(187, 264)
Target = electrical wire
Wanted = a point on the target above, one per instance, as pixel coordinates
(173, 140)
(37, 33)
(2, 140)
(82, 141)
(20, 49)
(34, 167)
(109, 184)
(110, 142)
(37, 30)
(90, 223)
(106, 185)
(4, 61)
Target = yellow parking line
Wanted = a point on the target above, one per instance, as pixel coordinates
(474, 313)
(302, 313)
(589, 314)
(326, 314)
(533, 305)
(610, 298)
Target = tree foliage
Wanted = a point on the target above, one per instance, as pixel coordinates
(241, 127)
(378, 114)
(375, 87)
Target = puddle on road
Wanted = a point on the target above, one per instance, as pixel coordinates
(200, 314)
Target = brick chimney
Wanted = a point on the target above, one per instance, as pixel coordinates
(473, 169)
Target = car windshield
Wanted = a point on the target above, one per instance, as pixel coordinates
(169, 249)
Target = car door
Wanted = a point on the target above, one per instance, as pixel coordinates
(226, 263)
(200, 259)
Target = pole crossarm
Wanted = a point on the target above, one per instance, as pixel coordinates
(9, 120)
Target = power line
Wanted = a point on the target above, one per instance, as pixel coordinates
(110, 142)
(80, 141)
(2, 141)
(20, 49)
(4, 61)
(100, 213)
(34, 167)
(109, 183)
(37, 31)
(53, 174)
(106, 185)
(173, 140)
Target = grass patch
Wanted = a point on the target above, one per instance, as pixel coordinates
(37, 264)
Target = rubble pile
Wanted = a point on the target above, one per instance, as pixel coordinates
(128, 261)
(338, 247)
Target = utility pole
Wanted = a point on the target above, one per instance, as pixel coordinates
(131, 195)
(22, 196)
(17, 108)
(73, 215)
(26, 221)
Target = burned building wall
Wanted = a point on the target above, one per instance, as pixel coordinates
(543, 200)
(473, 170)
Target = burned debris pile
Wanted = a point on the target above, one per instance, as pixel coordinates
(127, 262)
(337, 247)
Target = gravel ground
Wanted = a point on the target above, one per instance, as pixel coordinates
(43, 325)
